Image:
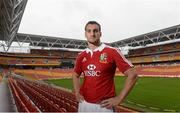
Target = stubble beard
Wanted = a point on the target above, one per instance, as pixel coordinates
(97, 42)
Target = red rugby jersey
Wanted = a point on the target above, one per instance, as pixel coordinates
(98, 68)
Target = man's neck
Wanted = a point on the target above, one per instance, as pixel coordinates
(93, 46)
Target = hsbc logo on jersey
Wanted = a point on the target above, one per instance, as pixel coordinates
(91, 71)
(91, 67)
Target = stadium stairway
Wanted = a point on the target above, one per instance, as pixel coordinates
(7, 103)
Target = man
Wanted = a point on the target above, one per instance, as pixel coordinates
(98, 65)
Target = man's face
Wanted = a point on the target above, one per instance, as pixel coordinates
(93, 33)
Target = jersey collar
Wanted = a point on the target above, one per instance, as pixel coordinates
(100, 48)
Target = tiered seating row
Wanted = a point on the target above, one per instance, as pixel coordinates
(56, 96)
(156, 49)
(41, 74)
(42, 102)
(162, 71)
(53, 99)
(47, 98)
(22, 102)
(28, 61)
(60, 53)
(155, 58)
(156, 71)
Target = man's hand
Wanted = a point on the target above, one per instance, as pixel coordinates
(111, 102)
(79, 97)
(129, 83)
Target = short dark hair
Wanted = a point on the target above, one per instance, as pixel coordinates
(93, 22)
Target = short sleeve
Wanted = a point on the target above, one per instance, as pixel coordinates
(122, 63)
(78, 65)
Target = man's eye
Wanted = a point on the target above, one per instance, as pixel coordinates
(95, 30)
(88, 30)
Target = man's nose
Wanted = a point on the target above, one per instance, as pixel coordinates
(93, 33)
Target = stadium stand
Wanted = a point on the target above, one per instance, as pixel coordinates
(33, 96)
(173, 56)
(22, 102)
(161, 71)
(155, 49)
(46, 98)
(59, 53)
(161, 60)
(41, 74)
(165, 52)
(28, 60)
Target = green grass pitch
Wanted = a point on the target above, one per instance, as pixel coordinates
(149, 94)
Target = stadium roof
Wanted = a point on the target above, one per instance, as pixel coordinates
(47, 41)
(10, 18)
(171, 33)
(11, 12)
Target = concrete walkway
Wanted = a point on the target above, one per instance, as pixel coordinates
(6, 101)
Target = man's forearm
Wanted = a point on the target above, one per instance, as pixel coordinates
(129, 83)
(76, 83)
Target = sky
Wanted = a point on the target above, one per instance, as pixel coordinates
(119, 19)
